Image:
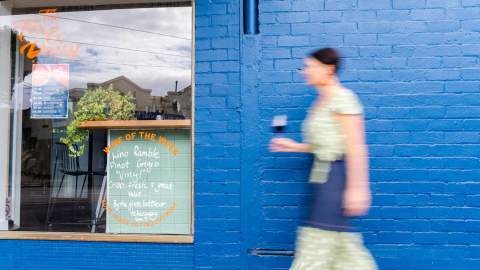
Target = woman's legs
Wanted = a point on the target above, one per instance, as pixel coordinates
(352, 254)
(318, 249)
(314, 249)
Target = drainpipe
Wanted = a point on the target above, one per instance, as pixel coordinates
(250, 17)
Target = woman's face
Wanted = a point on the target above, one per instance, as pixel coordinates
(316, 73)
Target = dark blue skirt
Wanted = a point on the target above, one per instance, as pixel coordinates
(326, 207)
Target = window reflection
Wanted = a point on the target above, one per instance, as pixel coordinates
(144, 51)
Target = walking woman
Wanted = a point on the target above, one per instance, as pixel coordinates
(334, 132)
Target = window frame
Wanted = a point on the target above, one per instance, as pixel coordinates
(107, 237)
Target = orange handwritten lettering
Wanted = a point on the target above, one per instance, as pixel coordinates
(132, 136)
(125, 221)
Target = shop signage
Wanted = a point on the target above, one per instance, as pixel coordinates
(149, 181)
(49, 91)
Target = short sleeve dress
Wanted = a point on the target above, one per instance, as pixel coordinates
(326, 240)
(323, 132)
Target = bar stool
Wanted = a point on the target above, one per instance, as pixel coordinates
(67, 166)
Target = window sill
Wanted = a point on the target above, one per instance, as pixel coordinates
(96, 237)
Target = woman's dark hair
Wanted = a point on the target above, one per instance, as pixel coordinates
(327, 56)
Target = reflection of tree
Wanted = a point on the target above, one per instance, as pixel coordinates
(174, 105)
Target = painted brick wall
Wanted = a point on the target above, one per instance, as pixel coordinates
(72, 255)
(218, 136)
(415, 66)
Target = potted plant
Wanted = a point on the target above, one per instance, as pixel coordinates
(101, 103)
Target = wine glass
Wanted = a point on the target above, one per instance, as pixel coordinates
(279, 124)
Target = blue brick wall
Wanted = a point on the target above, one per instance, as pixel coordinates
(63, 255)
(415, 66)
(218, 146)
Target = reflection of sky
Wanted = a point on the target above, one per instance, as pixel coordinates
(151, 60)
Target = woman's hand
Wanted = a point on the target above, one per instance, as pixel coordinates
(284, 145)
(356, 201)
(357, 195)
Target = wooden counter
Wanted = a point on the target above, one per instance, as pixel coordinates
(136, 124)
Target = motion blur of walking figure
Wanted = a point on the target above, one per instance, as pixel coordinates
(334, 132)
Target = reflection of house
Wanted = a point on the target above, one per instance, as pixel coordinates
(174, 103)
(123, 84)
(75, 94)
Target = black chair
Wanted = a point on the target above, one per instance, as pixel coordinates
(67, 166)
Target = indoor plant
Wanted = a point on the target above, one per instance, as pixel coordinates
(95, 105)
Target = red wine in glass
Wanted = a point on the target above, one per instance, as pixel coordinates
(279, 124)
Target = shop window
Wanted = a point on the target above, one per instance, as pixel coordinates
(130, 176)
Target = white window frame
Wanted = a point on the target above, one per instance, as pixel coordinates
(5, 86)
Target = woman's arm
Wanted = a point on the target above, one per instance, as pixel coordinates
(289, 145)
(305, 148)
(357, 197)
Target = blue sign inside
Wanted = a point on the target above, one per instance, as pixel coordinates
(50, 91)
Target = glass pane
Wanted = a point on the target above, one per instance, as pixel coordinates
(59, 57)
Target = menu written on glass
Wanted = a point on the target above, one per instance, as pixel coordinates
(50, 84)
(149, 181)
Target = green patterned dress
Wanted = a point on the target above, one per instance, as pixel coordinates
(319, 248)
